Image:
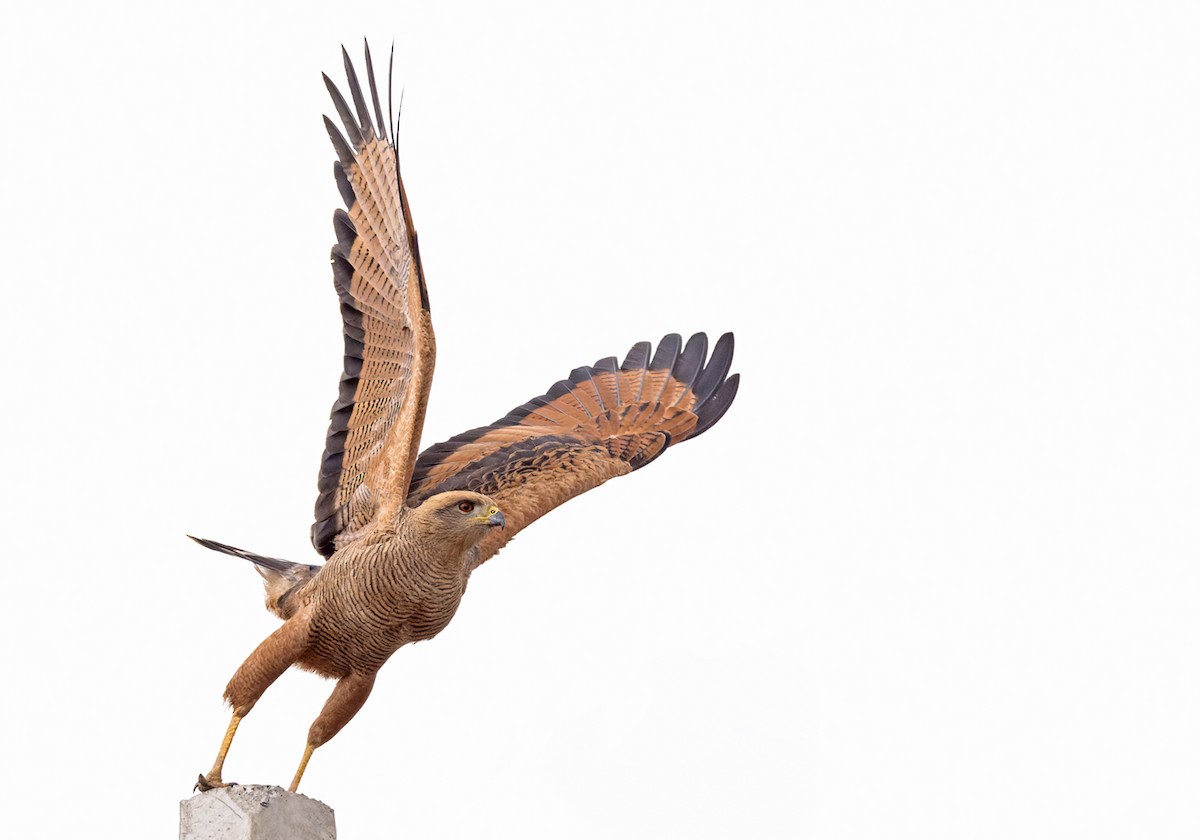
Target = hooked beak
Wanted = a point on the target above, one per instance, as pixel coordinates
(493, 518)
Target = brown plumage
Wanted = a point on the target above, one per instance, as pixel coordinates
(404, 532)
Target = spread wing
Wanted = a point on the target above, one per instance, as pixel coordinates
(375, 424)
(602, 422)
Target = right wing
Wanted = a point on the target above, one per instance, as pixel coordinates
(375, 424)
(600, 423)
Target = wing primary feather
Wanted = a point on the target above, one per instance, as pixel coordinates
(715, 371)
(715, 407)
(688, 365)
(353, 359)
(323, 533)
(536, 407)
(353, 132)
(343, 227)
(635, 361)
(353, 341)
(664, 359)
(332, 465)
(353, 329)
(353, 336)
(668, 350)
(343, 184)
(360, 103)
(347, 385)
(582, 375)
(395, 132)
(413, 244)
(344, 152)
(609, 365)
(379, 121)
(562, 388)
(343, 272)
(416, 249)
(595, 387)
(637, 356)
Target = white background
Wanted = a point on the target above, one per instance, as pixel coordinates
(934, 575)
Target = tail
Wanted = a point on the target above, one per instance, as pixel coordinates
(281, 578)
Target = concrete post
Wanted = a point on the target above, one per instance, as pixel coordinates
(254, 812)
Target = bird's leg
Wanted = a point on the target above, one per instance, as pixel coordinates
(213, 779)
(269, 660)
(347, 698)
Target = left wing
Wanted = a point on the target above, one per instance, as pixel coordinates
(375, 424)
(602, 422)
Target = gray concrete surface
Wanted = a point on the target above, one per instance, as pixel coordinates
(254, 812)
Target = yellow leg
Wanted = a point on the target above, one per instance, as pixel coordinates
(213, 779)
(308, 751)
(347, 698)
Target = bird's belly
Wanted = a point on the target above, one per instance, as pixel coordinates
(358, 628)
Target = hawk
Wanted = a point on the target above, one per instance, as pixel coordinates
(402, 530)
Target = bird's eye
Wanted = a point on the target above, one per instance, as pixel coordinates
(466, 507)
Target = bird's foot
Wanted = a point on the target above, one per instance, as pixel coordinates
(205, 783)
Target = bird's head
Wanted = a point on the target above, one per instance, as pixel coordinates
(461, 516)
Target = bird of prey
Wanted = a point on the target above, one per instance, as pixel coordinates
(403, 531)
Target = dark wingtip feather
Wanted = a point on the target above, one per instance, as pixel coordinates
(395, 130)
(322, 534)
(360, 104)
(637, 357)
(383, 126)
(715, 407)
(716, 370)
(343, 273)
(688, 365)
(344, 229)
(581, 375)
(353, 132)
(344, 152)
(664, 359)
(668, 350)
(343, 184)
